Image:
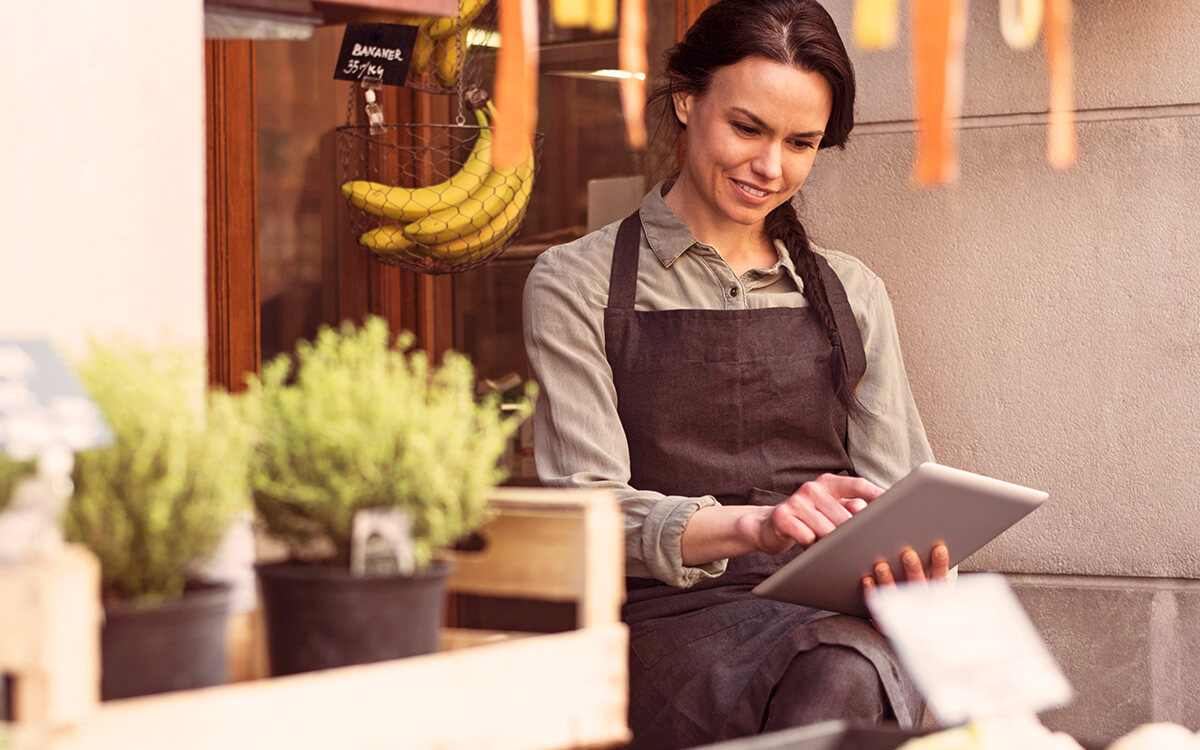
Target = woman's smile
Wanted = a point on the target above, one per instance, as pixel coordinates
(753, 194)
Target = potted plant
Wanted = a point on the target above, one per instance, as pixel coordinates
(360, 422)
(151, 507)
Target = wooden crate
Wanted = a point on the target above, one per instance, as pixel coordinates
(490, 689)
(50, 637)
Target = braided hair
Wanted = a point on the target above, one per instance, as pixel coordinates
(784, 225)
(799, 34)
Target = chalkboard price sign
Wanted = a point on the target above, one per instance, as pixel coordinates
(376, 50)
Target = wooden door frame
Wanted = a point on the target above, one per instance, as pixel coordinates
(232, 254)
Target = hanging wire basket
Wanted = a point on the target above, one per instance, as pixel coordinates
(442, 60)
(426, 198)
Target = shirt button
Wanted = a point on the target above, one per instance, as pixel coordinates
(733, 291)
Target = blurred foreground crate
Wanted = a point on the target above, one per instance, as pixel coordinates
(499, 690)
(50, 638)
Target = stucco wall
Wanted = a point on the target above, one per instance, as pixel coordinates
(1051, 329)
(1050, 319)
(102, 170)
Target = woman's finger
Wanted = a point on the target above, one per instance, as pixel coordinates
(913, 571)
(854, 504)
(840, 485)
(803, 506)
(939, 566)
(883, 574)
(829, 506)
(788, 525)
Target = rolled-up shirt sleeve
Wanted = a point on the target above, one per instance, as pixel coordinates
(887, 439)
(578, 437)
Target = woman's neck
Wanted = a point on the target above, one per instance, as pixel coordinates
(742, 246)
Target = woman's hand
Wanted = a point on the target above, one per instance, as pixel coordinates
(914, 571)
(813, 511)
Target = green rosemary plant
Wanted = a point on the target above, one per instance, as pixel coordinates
(157, 501)
(359, 421)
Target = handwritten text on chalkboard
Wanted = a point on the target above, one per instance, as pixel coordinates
(376, 50)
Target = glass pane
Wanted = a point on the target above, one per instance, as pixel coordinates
(299, 105)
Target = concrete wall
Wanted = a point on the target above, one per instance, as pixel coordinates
(1051, 324)
(102, 171)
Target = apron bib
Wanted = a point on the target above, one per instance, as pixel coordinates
(737, 404)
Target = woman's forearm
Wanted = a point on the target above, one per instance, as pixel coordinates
(719, 532)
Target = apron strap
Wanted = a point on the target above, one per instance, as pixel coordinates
(622, 279)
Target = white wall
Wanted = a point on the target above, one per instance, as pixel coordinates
(102, 170)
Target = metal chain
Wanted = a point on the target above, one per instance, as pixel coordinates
(459, 84)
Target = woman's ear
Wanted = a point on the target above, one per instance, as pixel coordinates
(683, 104)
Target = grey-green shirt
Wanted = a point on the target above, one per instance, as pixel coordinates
(578, 438)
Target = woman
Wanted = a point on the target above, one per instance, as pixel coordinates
(741, 391)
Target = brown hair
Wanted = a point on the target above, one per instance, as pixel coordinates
(799, 34)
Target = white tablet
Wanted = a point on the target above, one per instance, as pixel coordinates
(932, 504)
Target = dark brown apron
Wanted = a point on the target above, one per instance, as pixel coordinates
(737, 404)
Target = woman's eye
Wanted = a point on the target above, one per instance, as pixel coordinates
(744, 128)
(801, 145)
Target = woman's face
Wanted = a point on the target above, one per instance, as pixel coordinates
(752, 138)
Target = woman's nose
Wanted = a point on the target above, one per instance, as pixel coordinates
(768, 162)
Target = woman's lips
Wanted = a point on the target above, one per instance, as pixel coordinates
(752, 193)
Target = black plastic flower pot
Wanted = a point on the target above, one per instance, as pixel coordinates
(176, 645)
(319, 617)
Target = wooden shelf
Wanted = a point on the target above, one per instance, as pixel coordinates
(295, 19)
(486, 688)
(407, 7)
(549, 691)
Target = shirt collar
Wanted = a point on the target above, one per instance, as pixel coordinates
(670, 238)
(785, 262)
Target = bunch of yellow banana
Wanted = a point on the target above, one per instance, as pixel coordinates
(439, 42)
(456, 221)
(598, 15)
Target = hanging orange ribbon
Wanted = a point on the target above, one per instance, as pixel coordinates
(516, 82)
(631, 56)
(938, 34)
(1061, 146)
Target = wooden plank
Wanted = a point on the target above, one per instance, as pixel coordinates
(232, 254)
(556, 545)
(532, 554)
(246, 644)
(547, 498)
(50, 636)
(453, 639)
(603, 565)
(554, 691)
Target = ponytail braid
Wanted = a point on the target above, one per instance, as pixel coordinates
(784, 225)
